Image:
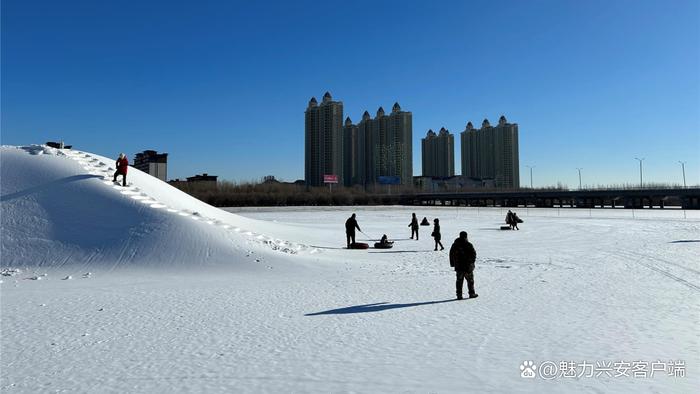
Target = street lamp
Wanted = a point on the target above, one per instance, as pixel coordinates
(579, 178)
(641, 184)
(530, 167)
(683, 168)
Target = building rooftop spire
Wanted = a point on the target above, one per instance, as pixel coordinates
(327, 97)
(396, 107)
(348, 122)
(380, 112)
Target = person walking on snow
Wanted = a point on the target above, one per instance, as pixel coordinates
(122, 165)
(436, 234)
(414, 226)
(463, 258)
(515, 220)
(509, 219)
(350, 226)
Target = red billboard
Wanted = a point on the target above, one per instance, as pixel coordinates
(330, 179)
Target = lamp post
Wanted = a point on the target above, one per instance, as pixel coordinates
(579, 178)
(683, 168)
(530, 167)
(641, 183)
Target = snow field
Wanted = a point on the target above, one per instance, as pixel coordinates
(192, 310)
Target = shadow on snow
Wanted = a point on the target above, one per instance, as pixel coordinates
(46, 186)
(405, 251)
(376, 307)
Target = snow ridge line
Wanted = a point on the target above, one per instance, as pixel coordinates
(94, 166)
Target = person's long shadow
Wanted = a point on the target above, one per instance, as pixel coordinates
(376, 307)
(684, 241)
(46, 186)
(405, 251)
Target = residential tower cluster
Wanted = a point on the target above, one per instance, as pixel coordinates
(379, 150)
(375, 150)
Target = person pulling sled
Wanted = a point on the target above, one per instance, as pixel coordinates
(350, 226)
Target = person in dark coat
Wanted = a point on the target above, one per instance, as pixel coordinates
(463, 258)
(414, 226)
(350, 226)
(436, 234)
(515, 220)
(509, 219)
(122, 165)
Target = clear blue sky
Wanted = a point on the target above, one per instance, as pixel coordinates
(222, 85)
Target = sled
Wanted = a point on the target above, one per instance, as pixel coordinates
(379, 245)
(505, 228)
(359, 245)
(519, 220)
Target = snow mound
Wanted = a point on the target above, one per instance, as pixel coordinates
(60, 207)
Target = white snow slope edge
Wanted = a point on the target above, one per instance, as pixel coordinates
(60, 207)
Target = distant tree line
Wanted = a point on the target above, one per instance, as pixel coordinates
(232, 194)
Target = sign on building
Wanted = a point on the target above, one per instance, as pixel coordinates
(330, 179)
(389, 180)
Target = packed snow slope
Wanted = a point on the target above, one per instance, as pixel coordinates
(60, 207)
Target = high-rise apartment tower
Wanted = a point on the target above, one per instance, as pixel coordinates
(438, 153)
(380, 147)
(323, 140)
(491, 153)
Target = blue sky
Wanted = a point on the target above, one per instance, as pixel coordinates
(222, 85)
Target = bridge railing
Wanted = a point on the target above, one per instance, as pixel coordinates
(499, 213)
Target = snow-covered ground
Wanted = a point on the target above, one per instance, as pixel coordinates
(185, 297)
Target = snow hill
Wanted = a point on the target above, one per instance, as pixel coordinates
(61, 207)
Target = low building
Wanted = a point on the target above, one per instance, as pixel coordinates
(197, 180)
(204, 179)
(58, 145)
(152, 163)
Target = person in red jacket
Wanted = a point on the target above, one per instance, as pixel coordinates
(122, 165)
